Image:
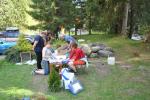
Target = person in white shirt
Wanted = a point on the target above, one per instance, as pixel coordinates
(46, 55)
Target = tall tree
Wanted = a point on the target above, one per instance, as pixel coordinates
(66, 13)
(44, 12)
(125, 19)
(51, 13)
(12, 13)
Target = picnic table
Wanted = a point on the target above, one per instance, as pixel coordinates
(57, 62)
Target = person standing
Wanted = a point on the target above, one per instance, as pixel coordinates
(62, 30)
(37, 47)
(57, 32)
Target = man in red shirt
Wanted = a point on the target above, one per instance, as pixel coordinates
(76, 54)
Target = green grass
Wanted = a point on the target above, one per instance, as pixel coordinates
(116, 84)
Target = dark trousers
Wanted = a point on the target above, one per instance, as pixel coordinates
(39, 59)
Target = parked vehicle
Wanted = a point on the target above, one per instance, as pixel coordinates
(10, 34)
(4, 45)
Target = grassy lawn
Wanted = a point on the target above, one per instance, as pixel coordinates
(129, 79)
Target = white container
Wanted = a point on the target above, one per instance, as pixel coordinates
(111, 60)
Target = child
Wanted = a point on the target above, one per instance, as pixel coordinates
(46, 55)
(75, 57)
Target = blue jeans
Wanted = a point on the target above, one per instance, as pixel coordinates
(45, 66)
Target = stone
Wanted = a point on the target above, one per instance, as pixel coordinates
(95, 49)
(94, 55)
(104, 53)
(109, 49)
(86, 49)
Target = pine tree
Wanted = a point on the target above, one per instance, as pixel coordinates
(54, 80)
(22, 44)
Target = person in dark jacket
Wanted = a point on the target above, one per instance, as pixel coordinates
(38, 45)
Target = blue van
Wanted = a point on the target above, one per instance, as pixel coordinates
(11, 32)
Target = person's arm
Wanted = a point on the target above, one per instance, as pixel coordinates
(34, 45)
(43, 52)
(36, 40)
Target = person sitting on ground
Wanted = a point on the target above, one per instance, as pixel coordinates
(75, 57)
(46, 55)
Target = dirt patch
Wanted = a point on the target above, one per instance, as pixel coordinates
(101, 68)
(138, 79)
(130, 92)
(125, 66)
(40, 83)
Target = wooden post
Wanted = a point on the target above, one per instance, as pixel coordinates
(21, 56)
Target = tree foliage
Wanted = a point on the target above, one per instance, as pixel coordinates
(22, 44)
(99, 15)
(12, 13)
(51, 13)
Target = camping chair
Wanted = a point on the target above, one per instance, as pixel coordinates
(83, 66)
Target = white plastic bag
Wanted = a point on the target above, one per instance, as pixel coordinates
(75, 87)
(67, 77)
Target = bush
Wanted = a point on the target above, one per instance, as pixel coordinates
(22, 44)
(12, 55)
(54, 80)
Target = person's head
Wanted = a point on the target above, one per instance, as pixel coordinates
(74, 45)
(43, 33)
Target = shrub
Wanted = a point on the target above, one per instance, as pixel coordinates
(22, 44)
(12, 55)
(54, 80)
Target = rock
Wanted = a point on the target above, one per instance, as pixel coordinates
(93, 44)
(102, 47)
(86, 49)
(94, 55)
(104, 53)
(95, 49)
(109, 49)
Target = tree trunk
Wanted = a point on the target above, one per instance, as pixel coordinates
(125, 19)
(132, 20)
(90, 25)
(76, 29)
